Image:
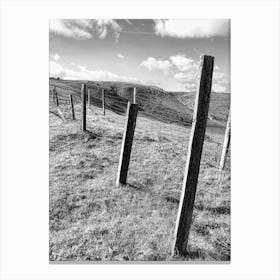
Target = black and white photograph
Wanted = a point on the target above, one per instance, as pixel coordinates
(139, 140)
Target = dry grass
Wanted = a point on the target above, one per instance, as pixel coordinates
(90, 219)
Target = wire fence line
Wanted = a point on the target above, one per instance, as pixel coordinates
(93, 93)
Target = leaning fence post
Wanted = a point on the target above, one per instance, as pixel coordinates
(130, 123)
(55, 96)
(88, 98)
(225, 145)
(72, 106)
(134, 95)
(185, 211)
(84, 106)
(103, 101)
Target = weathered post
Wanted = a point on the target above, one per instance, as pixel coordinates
(225, 145)
(72, 106)
(88, 98)
(55, 97)
(130, 123)
(84, 106)
(185, 211)
(103, 101)
(134, 95)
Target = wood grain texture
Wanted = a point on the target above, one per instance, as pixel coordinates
(225, 145)
(103, 101)
(134, 95)
(72, 106)
(127, 141)
(84, 107)
(185, 211)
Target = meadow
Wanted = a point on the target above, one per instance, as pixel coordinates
(90, 219)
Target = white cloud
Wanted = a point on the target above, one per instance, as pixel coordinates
(216, 67)
(218, 75)
(153, 64)
(103, 26)
(188, 71)
(56, 70)
(185, 77)
(55, 57)
(119, 55)
(179, 62)
(182, 62)
(223, 81)
(192, 28)
(218, 88)
(82, 73)
(85, 28)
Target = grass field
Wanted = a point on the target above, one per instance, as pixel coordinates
(90, 219)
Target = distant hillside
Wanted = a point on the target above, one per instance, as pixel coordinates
(219, 104)
(154, 102)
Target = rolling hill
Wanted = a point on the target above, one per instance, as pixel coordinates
(169, 107)
(92, 219)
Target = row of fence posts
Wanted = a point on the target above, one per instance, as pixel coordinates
(199, 122)
(85, 93)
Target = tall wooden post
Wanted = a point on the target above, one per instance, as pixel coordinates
(72, 106)
(84, 106)
(185, 211)
(55, 97)
(225, 145)
(88, 98)
(103, 101)
(130, 123)
(134, 95)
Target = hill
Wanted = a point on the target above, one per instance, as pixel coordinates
(90, 219)
(169, 107)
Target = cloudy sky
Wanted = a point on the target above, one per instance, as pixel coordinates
(163, 53)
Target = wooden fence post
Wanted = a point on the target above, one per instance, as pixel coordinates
(103, 101)
(134, 95)
(88, 98)
(130, 123)
(72, 106)
(84, 106)
(225, 145)
(185, 211)
(55, 97)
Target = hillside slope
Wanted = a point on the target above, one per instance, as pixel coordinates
(90, 219)
(169, 107)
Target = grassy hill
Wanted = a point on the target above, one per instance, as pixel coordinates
(170, 107)
(90, 219)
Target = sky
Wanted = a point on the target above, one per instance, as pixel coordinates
(158, 52)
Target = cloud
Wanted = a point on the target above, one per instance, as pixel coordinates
(119, 55)
(55, 57)
(83, 29)
(78, 29)
(82, 73)
(179, 62)
(218, 75)
(223, 81)
(182, 62)
(185, 77)
(218, 88)
(153, 64)
(183, 70)
(56, 70)
(192, 28)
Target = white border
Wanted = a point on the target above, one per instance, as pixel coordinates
(24, 138)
